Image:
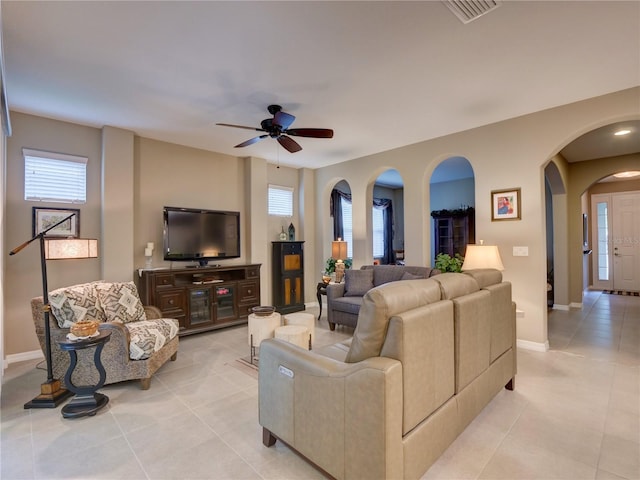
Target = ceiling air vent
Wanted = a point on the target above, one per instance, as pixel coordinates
(468, 10)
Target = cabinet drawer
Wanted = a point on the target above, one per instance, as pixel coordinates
(292, 249)
(164, 280)
(172, 302)
(253, 272)
(248, 292)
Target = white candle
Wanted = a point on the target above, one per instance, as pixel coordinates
(150, 245)
(148, 252)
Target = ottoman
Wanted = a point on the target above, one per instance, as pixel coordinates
(304, 319)
(297, 334)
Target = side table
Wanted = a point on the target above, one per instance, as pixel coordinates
(87, 400)
(321, 289)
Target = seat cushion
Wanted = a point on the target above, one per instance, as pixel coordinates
(347, 304)
(120, 302)
(78, 302)
(148, 336)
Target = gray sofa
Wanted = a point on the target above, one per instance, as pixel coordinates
(344, 299)
(425, 358)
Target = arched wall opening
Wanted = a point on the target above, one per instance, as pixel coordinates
(451, 206)
(387, 218)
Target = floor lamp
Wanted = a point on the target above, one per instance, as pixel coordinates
(51, 392)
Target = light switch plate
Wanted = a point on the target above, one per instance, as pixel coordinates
(520, 251)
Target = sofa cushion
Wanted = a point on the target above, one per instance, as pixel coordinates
(149, 336)
(120, 302)
(454, 285)
(357, 282)
(387, 273)
(347, 304)
(379, 305)
(72, 304)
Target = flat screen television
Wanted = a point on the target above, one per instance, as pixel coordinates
(199, 235)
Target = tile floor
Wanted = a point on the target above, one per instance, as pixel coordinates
(575, 414)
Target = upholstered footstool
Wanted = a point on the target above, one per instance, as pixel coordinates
(304, 319)
(297, 334)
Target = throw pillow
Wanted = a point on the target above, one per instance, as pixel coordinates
(72, 304)
(357, 282)
(410, 276)
(120, 302)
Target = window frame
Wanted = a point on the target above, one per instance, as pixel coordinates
(282, 189)
(35, 186)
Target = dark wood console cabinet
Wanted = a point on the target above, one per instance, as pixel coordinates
(202, 298)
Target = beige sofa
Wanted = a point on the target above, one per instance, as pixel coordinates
(344, 299)
(425, 358)
(141, 340)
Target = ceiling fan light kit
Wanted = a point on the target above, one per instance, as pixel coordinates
(278, 128)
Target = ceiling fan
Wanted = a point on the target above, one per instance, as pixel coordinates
(278, 128)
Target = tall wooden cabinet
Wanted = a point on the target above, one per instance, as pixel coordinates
(287, 265)
(203, 298)
(454, 230)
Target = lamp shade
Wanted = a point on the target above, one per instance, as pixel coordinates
(482, 256)
(65, 248)
(339, 249)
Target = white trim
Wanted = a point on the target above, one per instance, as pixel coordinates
(534, 346)
(557, 306)
(29, 152)
(23, 357)
(577, 305)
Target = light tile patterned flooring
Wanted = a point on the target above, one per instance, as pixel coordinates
(575, 414)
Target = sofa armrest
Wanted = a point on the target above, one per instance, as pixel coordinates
(335, 290)
(345, 417)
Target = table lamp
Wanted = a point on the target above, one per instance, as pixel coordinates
(482, 256)
(339, 253)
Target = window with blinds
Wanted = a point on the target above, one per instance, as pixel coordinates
(280, 201)
(347, 225)
(378, 232)
(54, 177)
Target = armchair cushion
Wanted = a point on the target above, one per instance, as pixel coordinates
(72, 304)
(358, 282)
(149, 336)
(120, 302)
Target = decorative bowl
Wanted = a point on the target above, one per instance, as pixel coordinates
(263, 310)
(326, 279)
(84, 328)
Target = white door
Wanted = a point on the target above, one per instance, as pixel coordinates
(625, 241)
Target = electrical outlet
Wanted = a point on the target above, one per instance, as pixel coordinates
(520, 251)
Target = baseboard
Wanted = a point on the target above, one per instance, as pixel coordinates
(535, 346)
(23, 357)
(557, 306)
(576, 305)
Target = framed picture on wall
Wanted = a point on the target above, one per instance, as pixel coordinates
(505, 204)
(43, 218)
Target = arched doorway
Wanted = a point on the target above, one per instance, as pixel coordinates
(452, 203)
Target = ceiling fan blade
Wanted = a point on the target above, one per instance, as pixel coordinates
(241, 126)
(283, 119)
(289, 144)
(311, 132)
(251, 141)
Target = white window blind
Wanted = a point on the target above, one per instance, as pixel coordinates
(378, 232)
(347, 225)
(54, 177)
(280, 201)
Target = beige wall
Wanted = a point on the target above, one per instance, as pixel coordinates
(22, 273)
(504, 155)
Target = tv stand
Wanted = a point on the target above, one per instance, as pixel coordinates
(202, 298)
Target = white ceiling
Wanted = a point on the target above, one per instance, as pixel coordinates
(381, 74)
